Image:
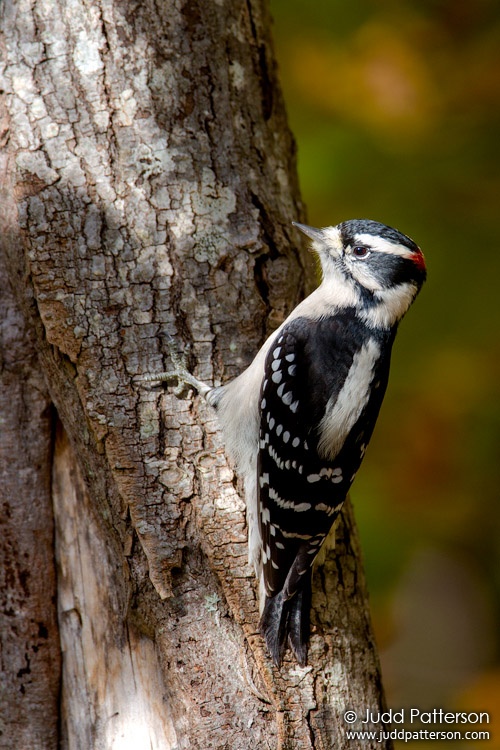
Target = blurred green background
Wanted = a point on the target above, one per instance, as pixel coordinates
(396, 110)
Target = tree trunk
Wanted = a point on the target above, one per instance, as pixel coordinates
(148, 185)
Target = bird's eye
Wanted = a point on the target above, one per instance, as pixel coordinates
(360, 251)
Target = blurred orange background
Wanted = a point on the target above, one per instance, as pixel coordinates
(396, 110)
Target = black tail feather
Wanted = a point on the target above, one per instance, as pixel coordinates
(299, 621)
(287, 620)
(274, 626)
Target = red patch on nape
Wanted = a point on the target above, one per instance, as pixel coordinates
(419, 260)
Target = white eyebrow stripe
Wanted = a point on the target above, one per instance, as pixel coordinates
(382, 246)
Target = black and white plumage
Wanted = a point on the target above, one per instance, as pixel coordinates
(314, 429)
(297, 421)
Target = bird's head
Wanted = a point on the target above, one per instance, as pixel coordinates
(369, 266)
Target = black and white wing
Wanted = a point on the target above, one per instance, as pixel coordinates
(302, 484)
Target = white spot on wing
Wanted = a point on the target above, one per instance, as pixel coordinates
(288, 504)
(313, 478)
(293, 535)
(337, 476)
(325, 508)
(277, 377)
(277, 460)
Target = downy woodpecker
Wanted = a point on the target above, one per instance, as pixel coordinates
(298, 420)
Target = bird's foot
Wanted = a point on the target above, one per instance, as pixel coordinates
(179, 373)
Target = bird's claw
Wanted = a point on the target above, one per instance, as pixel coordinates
(180, 373)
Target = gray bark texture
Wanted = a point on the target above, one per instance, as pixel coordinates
(148, 183)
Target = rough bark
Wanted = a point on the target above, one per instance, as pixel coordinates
(30, 662)
(148, 187)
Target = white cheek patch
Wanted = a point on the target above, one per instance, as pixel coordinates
(361, 272)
